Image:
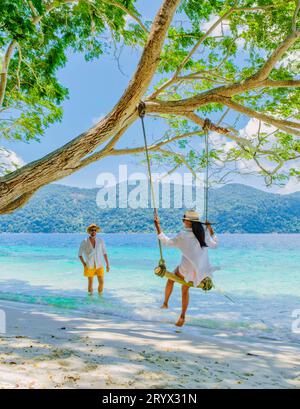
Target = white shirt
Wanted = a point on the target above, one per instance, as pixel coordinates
(194, 265)
(92, 256)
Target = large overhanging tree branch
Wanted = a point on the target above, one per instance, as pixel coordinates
(203, 76)
(63, 161)
(284, 125)
(257, 81)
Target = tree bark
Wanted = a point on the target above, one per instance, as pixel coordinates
(4, 70)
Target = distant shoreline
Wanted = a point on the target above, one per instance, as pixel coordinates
(233, 208)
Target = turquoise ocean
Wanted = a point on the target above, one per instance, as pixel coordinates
(259, 273)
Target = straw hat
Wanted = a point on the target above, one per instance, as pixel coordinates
(192, 216)
(93, 226)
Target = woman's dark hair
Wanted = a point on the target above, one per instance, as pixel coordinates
(199, 232)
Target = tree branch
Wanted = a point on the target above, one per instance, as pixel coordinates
(4, 71)
(175, 77)
(284, 125)
(103, 152)
(294, 20)
(223, 131)
(181, 158)
(281, 84)
(17, 203)
(202, 39)
(32, 8)
(278, 53)
(127, 11)
(215, 95)
(156, 146)
(18, 185)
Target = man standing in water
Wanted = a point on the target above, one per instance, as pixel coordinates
(91, 251)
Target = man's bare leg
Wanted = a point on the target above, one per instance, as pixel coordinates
(101, 284)
(185, 303)
(90, 285)
(168, 292)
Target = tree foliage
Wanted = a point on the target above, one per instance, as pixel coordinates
(44, 33)
(226, 60)
(247, 34)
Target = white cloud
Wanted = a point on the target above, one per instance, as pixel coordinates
(291, 60)
(218, 141)
(292, 186)
(246, 166)
(9, 161)
(128, 20)
(216, 138)
(240, 43)
(250, 131)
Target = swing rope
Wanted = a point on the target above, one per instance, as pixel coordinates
(206, 284)
(206, 127)
(142, 112)
(161, 270)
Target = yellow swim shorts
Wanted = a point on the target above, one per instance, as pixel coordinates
(92, 272)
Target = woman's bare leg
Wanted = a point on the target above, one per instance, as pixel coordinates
(90, 285)
(185, 303)
(168, 292)
(169, 288)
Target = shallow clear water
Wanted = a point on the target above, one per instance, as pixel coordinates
(260, 273)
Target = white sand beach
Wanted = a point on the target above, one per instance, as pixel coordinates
(54, 348)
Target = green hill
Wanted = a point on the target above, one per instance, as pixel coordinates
(235, 208)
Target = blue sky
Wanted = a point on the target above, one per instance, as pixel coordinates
(94, 89)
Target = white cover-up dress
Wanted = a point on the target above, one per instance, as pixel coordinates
(194, 265)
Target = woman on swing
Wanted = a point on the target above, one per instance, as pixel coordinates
(193, 242)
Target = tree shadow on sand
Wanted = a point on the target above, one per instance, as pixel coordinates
(80, 349)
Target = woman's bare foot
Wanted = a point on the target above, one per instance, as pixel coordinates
(164, 306)
(180, 322)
